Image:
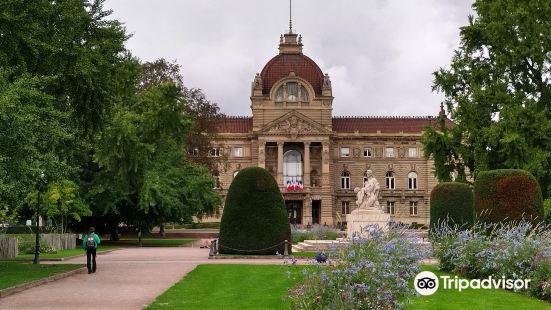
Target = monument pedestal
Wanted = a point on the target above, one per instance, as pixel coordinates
(358, 219)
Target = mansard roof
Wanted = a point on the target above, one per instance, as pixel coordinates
(347, 124)
(235, 124)
(384, 124)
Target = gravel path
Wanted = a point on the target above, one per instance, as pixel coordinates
(128, 278)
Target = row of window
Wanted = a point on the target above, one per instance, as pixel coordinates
(345, 152)
(368, 152)
(390, 180)
(213, 152)
(390, 207)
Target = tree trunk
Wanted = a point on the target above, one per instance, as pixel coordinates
(113, 226)
(162, 230)
(140, 237)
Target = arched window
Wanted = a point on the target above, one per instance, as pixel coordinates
(345, 180)
(216, 177)
(412, 180)
(292, 170)
(291, 92)
(389, 178)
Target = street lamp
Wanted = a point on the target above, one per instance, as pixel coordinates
(40, 184)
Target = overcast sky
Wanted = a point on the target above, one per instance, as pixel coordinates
(380, 54)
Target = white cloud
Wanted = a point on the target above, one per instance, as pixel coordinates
(380, 53)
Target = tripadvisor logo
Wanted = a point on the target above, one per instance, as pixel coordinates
(426, 283)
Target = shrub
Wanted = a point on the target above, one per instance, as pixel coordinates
(26, 244)
(507, 195)
(547, 211)
(451, 201)
(317, 232)
(373, 272)
(542, 280)
(514, 250)
(255, 219)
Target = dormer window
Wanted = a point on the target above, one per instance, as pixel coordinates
(291, 92)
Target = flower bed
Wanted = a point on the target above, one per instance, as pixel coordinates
(372, 272)
(518, 250)
(317, 232)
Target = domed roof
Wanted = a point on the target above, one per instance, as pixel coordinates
(290, 59)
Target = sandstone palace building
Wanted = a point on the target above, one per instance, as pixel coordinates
(318, 159)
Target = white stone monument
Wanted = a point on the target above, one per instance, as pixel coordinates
(368, 211)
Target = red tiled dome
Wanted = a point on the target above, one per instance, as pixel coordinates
(280, 66)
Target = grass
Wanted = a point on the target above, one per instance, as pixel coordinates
(228, 287)
(149, 242)
(265, 287)
(474, 299)
(64, 253)
(14, 273)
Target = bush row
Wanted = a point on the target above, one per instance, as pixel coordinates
(499, 195)
(514, 250)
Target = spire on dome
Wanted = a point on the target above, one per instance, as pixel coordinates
(290, 43)
(290, 19)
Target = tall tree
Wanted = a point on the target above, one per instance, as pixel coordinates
(498, 92)
(144, 176)
(204, 113)
(62, 67)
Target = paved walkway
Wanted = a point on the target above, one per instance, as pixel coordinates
(128, 278)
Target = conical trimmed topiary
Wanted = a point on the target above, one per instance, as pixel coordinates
(255, 219)
(451, 202)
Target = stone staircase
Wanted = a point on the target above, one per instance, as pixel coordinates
(420, 237)
(319, 245)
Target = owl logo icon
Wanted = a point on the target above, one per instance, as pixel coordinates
(426, 283)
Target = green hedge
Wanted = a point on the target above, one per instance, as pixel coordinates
(547, 210)
(453, 202)
(255, 219)
(506, 195)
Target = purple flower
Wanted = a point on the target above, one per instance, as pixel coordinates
(351, 254)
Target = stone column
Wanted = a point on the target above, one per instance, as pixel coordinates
(325, 157)
(280, 164)
(307, 167)
(307, 211)
(262, 154)
(326, 201)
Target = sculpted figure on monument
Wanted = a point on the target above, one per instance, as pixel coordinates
(258, 81)
(368, 196)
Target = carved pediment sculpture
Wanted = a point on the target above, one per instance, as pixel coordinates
(294, 124)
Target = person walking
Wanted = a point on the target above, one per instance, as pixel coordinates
(90, 243)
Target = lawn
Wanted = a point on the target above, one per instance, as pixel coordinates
(228, 287)
(265, 287)
(14, 273)
(65, 253)
(150, 242)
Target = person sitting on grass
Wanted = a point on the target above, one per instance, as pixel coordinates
(90, 243)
